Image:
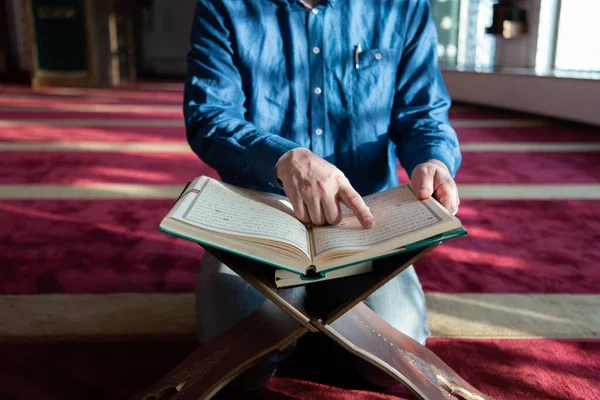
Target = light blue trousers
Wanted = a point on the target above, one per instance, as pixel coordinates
(223, 299)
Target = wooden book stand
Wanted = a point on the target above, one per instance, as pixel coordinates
(292, 313)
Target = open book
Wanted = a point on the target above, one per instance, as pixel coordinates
(262, 226)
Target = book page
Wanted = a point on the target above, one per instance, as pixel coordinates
(242, 212)
(397, 212)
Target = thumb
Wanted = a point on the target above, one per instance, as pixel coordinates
(422, 181)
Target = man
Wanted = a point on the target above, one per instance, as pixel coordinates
(316, 99)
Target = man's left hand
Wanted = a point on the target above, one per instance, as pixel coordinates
(433, 178)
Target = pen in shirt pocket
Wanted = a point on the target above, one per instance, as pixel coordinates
(357, 51)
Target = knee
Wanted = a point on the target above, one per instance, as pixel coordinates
(411, 322)
(401, 303)
(222, 301)
(416, 326)
(421, 333)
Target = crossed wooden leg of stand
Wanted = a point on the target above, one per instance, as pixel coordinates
(292, 313)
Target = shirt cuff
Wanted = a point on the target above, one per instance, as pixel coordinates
(449, 159)
(266, 153)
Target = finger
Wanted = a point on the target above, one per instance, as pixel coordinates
(331, 209)
(447, 193)
(457, 201)
(422, 181)
(299, 207)
(355, 202)
(313, 204)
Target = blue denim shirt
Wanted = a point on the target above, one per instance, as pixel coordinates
(268, 76)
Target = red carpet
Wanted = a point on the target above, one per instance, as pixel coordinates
(151, 113)
(72, 167)
(504, 369)
(99, 246)
(61, 102)
(149, 94)
(77, 246)
(88, 167)
(92, 247)
(525, 167)
(31, 133)
(557, 133)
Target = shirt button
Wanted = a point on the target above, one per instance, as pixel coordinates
(316, 50)
(378, 56)
(318, 90)
(315, 11)
(319, 132)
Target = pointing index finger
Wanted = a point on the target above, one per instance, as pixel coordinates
(355, 202)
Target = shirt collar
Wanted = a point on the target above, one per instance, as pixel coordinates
(326, 2)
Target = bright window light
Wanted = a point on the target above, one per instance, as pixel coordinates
(578, 47)
(546, 36)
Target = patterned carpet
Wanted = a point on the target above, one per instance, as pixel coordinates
(95, 303)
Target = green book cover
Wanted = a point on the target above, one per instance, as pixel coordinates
(414, 246)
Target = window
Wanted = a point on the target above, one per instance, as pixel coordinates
(577, 44)
(446, 14)
(461, 32)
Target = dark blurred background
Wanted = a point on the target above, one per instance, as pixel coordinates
(492, 52)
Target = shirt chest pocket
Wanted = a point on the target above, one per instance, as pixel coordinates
(373, 87)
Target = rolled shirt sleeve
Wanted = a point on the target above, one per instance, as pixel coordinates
(420, 127)
(214, 106)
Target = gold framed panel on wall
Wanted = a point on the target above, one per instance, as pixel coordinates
(123, 23)
(61, 42)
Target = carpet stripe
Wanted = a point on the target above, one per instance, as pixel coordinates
(464, 316)
(489, 316)
(76, 107)
(89, 191)
(61, 114)
(557, 133)
(142, 191)
(529, 192)
(140, 93)
(498, 123)
(470, 123)
(529, 147)
(183, 146)
(57, 134)
(123, 147)
(69, 316)
(94, 122)
(57, 99)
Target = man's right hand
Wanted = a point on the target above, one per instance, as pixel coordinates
(316, 187)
